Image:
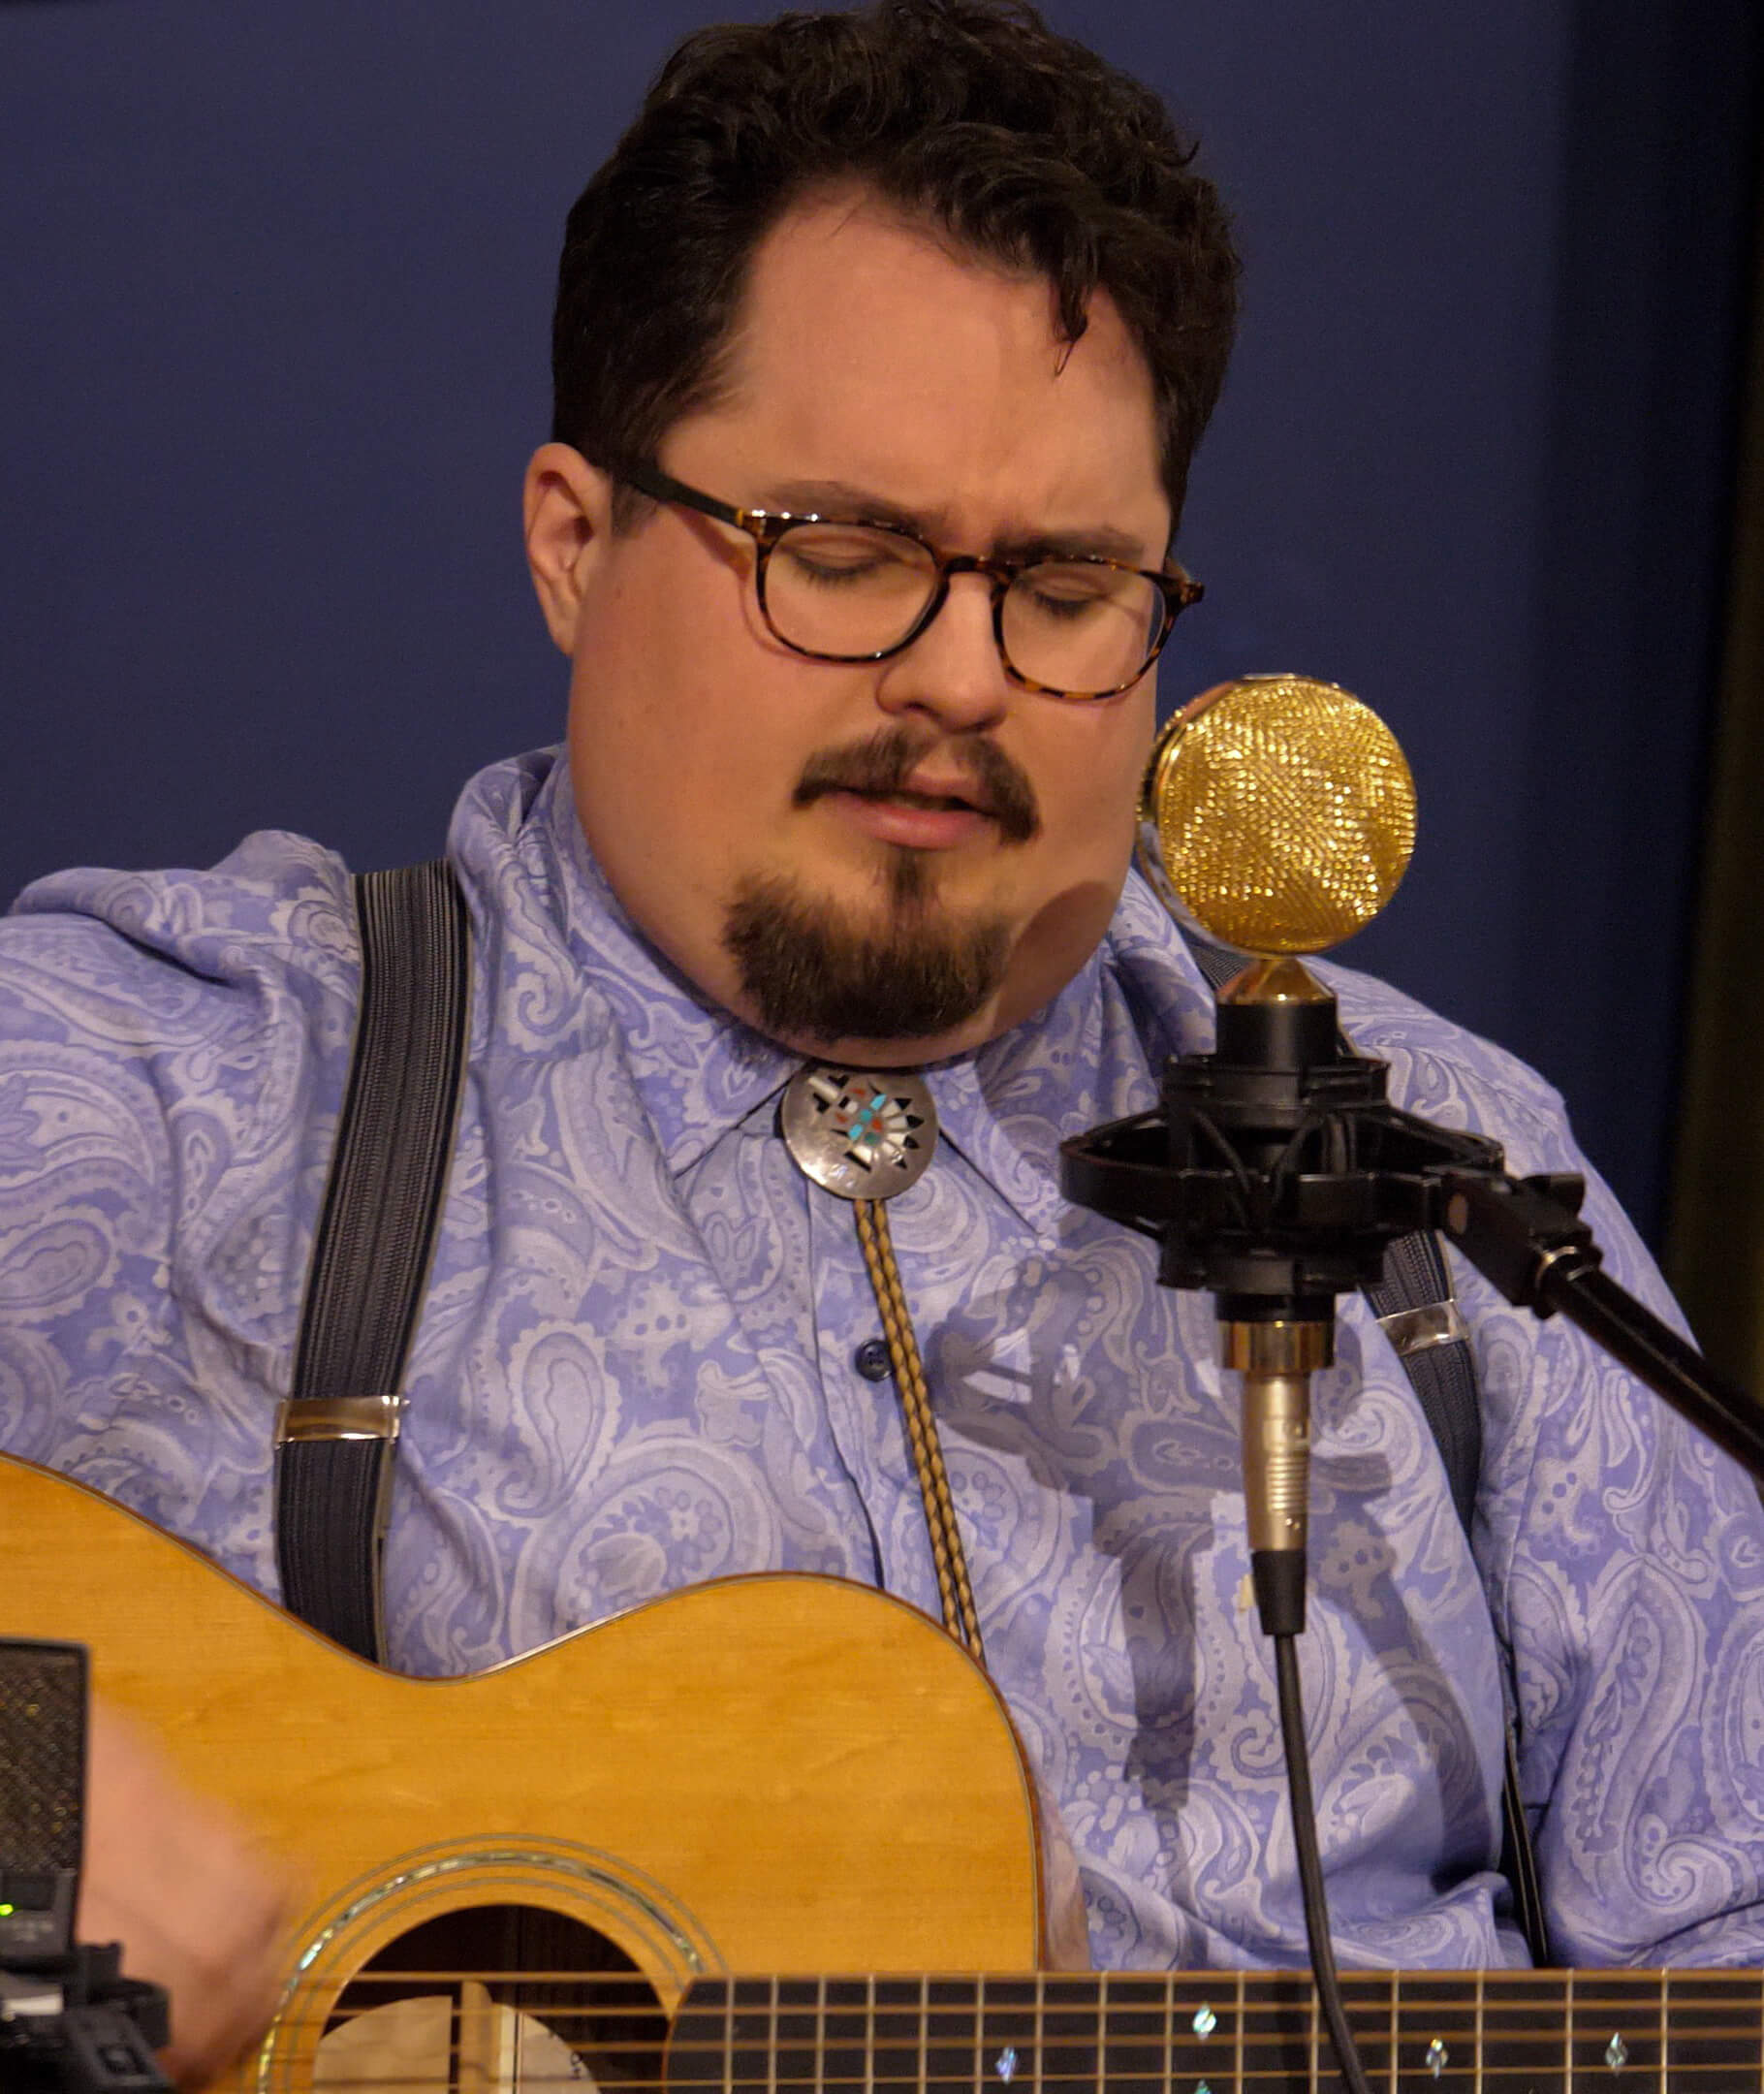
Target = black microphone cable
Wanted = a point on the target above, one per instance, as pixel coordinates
(1279, 1588)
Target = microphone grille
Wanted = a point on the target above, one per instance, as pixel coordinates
(43, 1708)
(1284, 812)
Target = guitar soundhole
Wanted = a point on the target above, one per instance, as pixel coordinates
(497, 1996)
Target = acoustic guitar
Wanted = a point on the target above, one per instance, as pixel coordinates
(588, 1863)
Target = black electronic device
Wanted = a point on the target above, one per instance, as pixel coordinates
(69, 2022)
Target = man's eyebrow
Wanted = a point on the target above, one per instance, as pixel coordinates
(851, 504)
(1100, 543)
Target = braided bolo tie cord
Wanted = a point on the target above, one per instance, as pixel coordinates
(950, 1558)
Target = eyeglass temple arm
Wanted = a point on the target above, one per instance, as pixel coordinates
(659, 486)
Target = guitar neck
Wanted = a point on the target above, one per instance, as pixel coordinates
(1227, 2032)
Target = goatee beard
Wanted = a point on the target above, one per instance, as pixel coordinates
(808, 972)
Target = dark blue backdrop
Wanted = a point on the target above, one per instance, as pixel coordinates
(273, 294)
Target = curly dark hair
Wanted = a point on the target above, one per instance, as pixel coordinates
(1025, 145)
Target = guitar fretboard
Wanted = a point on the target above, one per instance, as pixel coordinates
(1225, 2032)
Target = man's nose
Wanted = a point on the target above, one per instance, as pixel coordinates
(952, 673)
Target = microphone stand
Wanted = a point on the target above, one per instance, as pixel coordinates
(1275, 1174)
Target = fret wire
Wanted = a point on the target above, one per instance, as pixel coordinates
(869, 2048)
(1170, 2034)
(1567, 2034)
(1664, 2038)
(1479, 2035)
(729, 2039)
(980, 2043)
(1102, 2030)
(1041, 2031)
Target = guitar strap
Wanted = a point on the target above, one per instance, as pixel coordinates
(337, 1432)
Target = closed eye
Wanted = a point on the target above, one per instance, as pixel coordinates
(834, 555)
(1068, 593)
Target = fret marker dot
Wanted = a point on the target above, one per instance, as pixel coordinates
(1004, 2065)
(1205, 2022)
(1437, 2057)
(1617, 2054)
(1201, 2087)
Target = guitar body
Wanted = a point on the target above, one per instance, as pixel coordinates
(765, 1773)
(590, 1859)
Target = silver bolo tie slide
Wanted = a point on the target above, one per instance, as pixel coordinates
(864, 1134)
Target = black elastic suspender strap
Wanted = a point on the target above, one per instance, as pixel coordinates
(1414, 1304)
(336, 1432)
(1440, 1366)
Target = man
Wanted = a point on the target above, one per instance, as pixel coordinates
(863, 791)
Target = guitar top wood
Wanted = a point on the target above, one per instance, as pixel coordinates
(765, 1773)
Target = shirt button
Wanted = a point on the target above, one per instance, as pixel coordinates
(870, 1359)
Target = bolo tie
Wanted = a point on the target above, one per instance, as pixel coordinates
(865, 1136)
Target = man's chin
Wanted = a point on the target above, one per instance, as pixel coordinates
(885, 987)
(860, 1050)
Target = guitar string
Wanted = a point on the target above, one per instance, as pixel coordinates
(1031, 2073)
(1101, 2031)
(1301, 2063)
(1135, 2000)
(644, 1999)
(1147, 1994)
(946, 2024)
(1024, 2026)
(1506, 2039)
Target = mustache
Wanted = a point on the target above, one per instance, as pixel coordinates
(884, 763)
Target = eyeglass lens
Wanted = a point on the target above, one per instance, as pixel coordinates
(847, 590)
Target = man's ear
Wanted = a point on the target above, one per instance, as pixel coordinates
(567, 507)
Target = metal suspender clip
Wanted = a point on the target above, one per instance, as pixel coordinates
(1419, 1329)
(339, 1417)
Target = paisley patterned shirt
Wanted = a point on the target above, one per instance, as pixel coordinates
(639, 1365)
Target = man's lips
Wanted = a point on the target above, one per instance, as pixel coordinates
(917, 820)
(893, 787)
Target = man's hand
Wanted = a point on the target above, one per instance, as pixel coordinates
(178, 1884)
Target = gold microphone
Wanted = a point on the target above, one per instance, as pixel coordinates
(1278, 817)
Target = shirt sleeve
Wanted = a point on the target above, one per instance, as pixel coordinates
(1622, 1556)
(1627, 1561)
(172, 1049)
